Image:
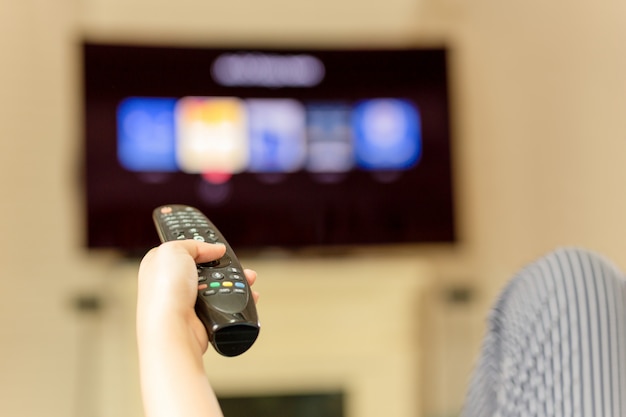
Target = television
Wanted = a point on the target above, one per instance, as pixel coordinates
(279, 147)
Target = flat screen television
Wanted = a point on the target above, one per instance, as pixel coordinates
(286, 148)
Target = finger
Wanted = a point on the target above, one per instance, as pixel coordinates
(250, 276)
(149, 255)
(209, 251)
(199, 251)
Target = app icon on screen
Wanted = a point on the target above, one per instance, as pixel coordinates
(387, 134)
(212, 135)
(277, 135)
(329, 133)
(146, 134)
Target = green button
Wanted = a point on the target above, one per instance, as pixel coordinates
(214, 284)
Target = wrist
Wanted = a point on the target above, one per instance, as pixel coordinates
(159, 328)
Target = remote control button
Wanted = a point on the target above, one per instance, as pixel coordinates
(215, 285)
(240, 285)
(199, 238)
(210, 292)
(227, 284)
(217, 275)
(210, 264)
(166, 210)
(202, 287)
(236, 277)
(223, 262)
(225, 290)
(201, 278)
(239, 291)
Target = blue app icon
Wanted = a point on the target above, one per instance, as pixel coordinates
(277, 135)
(146, 135)
(387, 134)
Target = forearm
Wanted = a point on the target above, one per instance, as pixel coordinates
(173, 382)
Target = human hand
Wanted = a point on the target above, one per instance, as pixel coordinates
(168, 288)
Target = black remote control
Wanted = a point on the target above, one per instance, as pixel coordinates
(225, 304)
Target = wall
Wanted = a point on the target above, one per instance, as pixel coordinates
(39, 264)
(539, 94)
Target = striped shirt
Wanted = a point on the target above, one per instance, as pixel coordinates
(555, 342)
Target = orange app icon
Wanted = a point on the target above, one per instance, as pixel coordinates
(211, 135)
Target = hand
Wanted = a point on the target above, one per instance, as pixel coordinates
(170, 337)
(168, 287)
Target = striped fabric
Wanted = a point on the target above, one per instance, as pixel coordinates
(555, 343)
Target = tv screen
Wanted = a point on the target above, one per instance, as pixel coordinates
(278, 147)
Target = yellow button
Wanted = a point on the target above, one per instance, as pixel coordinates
(227, 284)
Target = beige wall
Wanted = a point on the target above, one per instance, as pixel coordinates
(539, 153)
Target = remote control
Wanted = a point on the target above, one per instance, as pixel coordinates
(225, 304)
